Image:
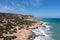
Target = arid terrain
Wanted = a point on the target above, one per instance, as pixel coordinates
(17, 27)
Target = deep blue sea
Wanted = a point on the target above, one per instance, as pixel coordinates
(54, 23)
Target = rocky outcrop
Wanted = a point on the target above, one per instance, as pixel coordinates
(17, 27)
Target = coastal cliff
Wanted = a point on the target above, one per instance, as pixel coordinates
(18, 27)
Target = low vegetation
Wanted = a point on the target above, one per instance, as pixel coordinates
(10, 21)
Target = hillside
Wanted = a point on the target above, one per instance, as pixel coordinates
(12, 24)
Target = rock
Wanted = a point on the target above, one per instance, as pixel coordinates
(36, 25)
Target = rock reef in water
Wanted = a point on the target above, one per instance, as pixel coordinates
(17, 27)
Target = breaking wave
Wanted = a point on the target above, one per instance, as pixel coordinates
(43, 33)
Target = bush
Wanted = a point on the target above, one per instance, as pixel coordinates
(9, 37)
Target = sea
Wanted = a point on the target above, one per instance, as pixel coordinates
(52, 30)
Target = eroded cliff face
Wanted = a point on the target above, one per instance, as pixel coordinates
(14, 26)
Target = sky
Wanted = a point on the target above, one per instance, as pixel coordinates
(38, 8)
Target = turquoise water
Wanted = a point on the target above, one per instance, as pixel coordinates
(55, 26)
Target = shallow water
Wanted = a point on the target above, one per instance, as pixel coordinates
(52, 30)
(54, 24)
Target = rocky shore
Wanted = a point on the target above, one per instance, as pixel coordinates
(18, 27)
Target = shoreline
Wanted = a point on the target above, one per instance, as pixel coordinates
(29, 32)
(43, 33)
(21, 28)
(40, 33)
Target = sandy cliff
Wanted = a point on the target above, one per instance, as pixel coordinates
(17, 27)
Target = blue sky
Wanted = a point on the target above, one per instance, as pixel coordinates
(39, 8)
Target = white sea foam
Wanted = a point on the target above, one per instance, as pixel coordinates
(44, 23)
(43, 33)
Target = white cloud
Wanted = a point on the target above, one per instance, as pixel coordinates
(15, 4)
(5, 9)
(32, 2)
(24, 3)
(22, 9)
(9, 9)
